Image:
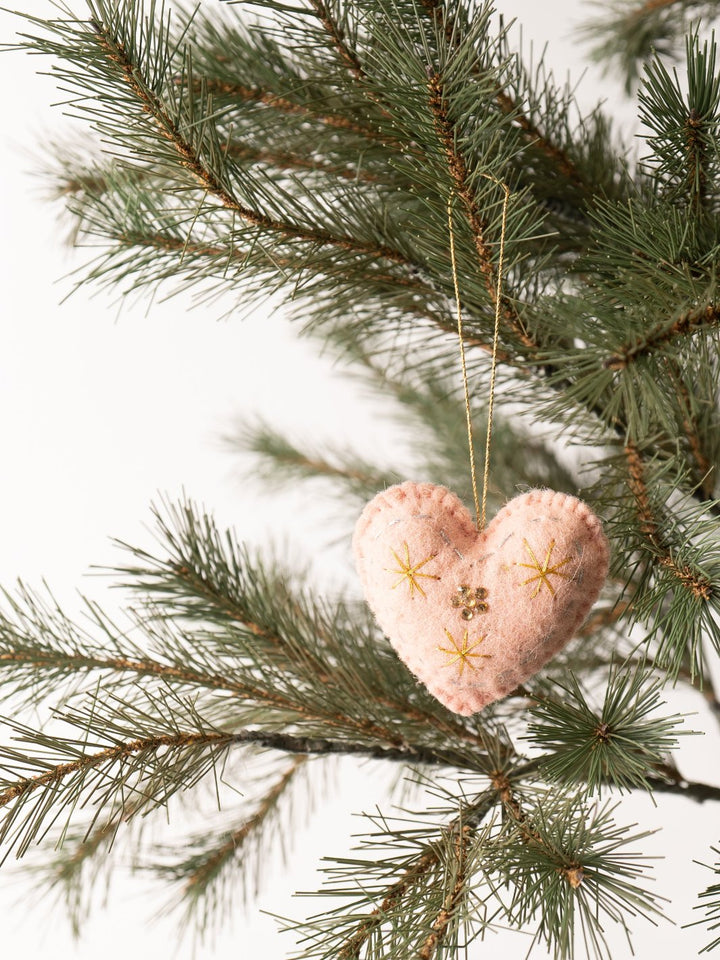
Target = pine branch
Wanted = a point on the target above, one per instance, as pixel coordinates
(148, 769)
(238, 91)
(698, 585)
(345, 52)
(282, 462)
(567, 869)
(213, 860)
(291, 699)
(282, 162)
(205, 177)
(460, 179)
(619, 743)
(88, 762)
(76, 876)
(206, 869)
(572, 872)
(207, 577)
(688, 323)
(705, 472)
(459, 833)
(710, 904)
(452, 901)
(630, 35)
(440, 16)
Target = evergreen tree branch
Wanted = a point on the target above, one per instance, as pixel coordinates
(294, 161)
(705, 471)
(167, 127)
(698, 585)
(347, 55)
(460, 179)
(688, 323)
(46, 659)
(207, 867)
(206, 577)
(453, 898)
(631, 34)
(694, 790)
(171, 754)
(460, 829)
(27, 785)
(509, 106)
(666, 779)
(283, 462)
(76, 876)
(215, 858)
(274, 101)
(572, 872)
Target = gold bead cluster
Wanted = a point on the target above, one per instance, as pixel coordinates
(471, 601)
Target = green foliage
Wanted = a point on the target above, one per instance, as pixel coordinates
(569, 870)
(474, 872)
(616, 745)
(311, 154)
(710, 903)
(684, 138)
(213, 862)
(627, 33)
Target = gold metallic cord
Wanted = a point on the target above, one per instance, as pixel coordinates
(480, 510)
(468, 417)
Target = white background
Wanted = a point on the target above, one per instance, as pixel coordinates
(102, 409)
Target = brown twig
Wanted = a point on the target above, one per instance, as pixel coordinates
(510, 107)
(705, 469)
(294, 161)
(686, 324)
(460, 179)
(302, 746)
(532, 133)
(697, 584)
(206, 178)
(571, 870)
(160, 241)
(351, 948)
(463, 826)
(223, 88)
(118, 752)
(453, 898)
(346, 53)
(237, 837)
(231, 253)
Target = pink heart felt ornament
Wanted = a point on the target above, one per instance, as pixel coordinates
(475, 614)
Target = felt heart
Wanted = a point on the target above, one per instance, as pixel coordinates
(475, 614)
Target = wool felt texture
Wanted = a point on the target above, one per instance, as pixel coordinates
(473, 615)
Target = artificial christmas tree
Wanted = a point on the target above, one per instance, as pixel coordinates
(315, 152)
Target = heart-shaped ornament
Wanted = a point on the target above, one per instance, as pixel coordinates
(475, 614)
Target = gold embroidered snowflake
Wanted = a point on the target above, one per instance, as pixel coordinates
(410, 573)
(462, 654)
(545, 571)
